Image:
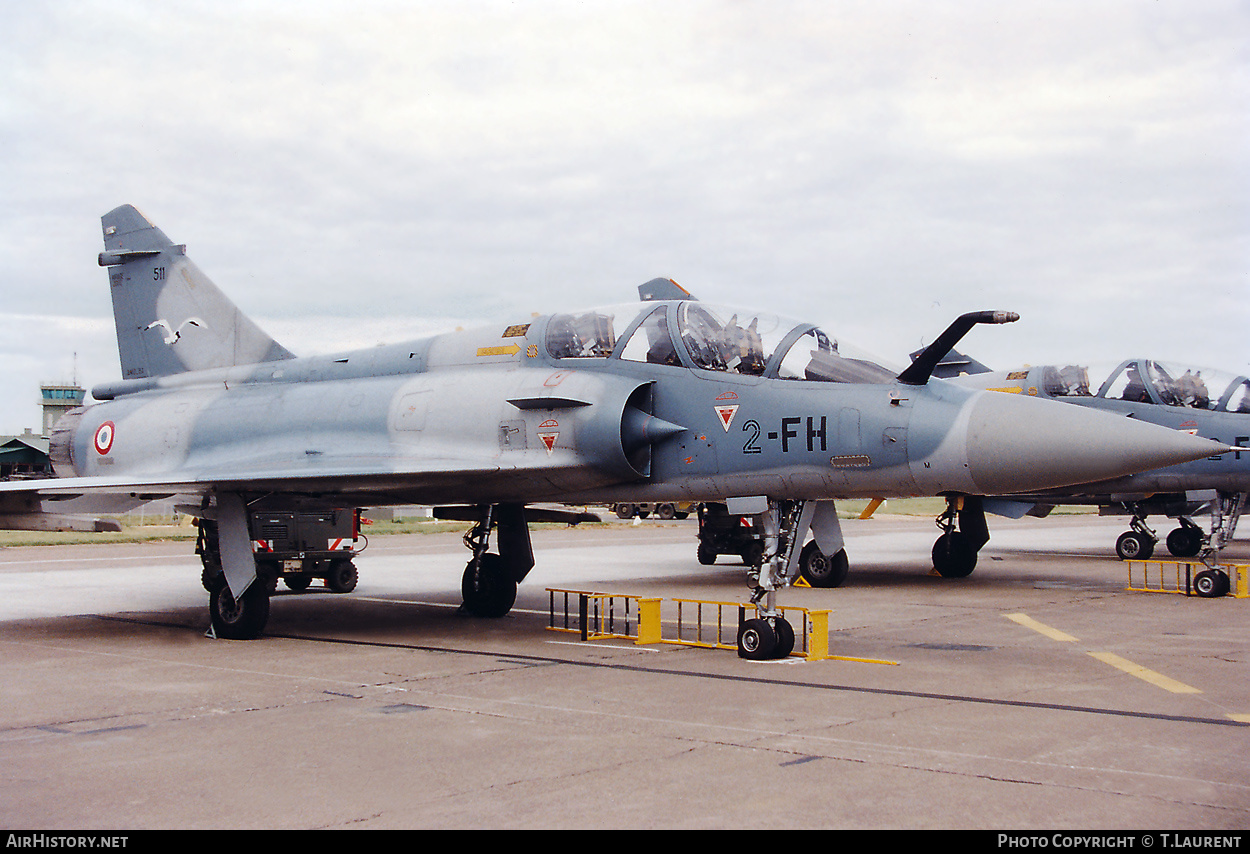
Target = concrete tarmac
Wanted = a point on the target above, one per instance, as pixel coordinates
(1038, 693)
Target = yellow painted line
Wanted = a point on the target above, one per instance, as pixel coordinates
(864, 660)
(1156, 679)
(1030, 623)
(1122, 664)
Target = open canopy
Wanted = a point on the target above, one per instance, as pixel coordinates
(1149, 381)
(710, 337)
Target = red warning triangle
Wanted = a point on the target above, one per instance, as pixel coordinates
(549, 441)
(726, 415)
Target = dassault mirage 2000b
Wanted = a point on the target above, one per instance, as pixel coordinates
(669, 399)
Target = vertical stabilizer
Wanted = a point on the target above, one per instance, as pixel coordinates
(170, 317)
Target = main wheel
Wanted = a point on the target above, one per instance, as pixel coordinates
(1185, 542)
(486, 587)
(342, 576)
(820, 569)
(756, 640)
(1134, 546)
(239, 619)
(210, 575)
(954, 555)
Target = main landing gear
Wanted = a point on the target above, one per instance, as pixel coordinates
(1138, 543)
(1188, 539)
(964, 532)
(297, 543)
(785, 525)
(490, 580)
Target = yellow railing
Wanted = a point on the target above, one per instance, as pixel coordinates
(1177, 576)
(605, 615)
(692, 622)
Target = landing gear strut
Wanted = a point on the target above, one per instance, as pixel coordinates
(785, 526)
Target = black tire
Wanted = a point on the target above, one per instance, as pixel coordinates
(820, 569)
(707, 556)
(1184, 542)
(342, 576)
(757, 640)
(1134, 546)
(298, 583)
(625, 511)
(486, 588)
(667, 512)
(1211, 584)
(785, 638)
(267, 574)
(211, 576)
(241, 619)
(954, 555)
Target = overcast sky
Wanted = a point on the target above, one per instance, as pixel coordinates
(358, 172)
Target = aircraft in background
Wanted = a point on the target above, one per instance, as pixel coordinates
(1199, 401)
(669, 399)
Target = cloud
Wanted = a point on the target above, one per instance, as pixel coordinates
(880, 167)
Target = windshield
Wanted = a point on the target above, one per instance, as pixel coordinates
(585, 335)
(1068, 381)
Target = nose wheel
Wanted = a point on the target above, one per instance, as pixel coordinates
(765, 638)
(1211, 583)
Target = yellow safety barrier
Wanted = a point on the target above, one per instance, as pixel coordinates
(1177, 576)
(607, 615)
(699, 623)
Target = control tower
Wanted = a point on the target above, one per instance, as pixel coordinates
(56, 400)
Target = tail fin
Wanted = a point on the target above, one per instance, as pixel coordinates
(170, 317)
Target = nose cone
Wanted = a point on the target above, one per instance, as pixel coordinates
(1018, 444)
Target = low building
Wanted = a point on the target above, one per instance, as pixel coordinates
(24, 456)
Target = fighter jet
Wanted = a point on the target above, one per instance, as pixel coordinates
(1199, 401)
(665, 399)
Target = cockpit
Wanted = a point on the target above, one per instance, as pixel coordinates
(1149, 381)
(707, 337)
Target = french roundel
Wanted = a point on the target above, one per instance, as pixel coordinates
(104, 437)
